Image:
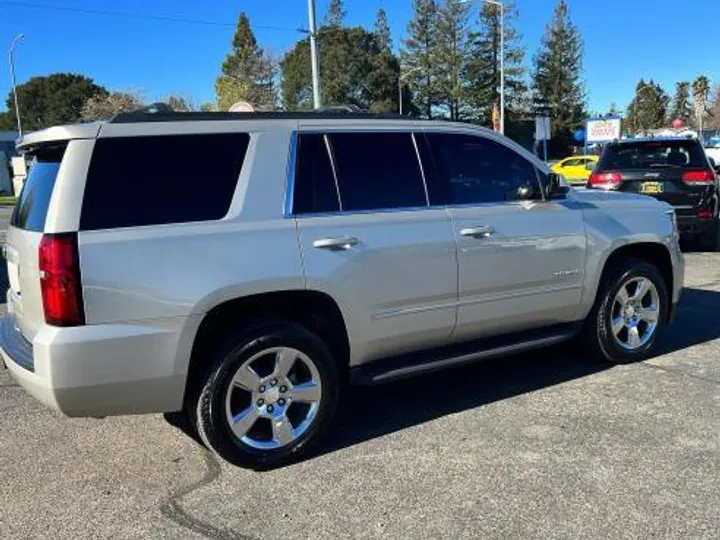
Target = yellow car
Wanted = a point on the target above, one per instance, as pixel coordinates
(575, 168)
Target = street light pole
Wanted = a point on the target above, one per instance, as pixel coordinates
(317, 98)
(12, 78)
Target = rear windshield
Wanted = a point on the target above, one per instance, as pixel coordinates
(655, 155)
(32, 206)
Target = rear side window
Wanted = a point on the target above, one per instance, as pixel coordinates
(32, 207)
(315, 188)
(377, 171)
(137, 181)
(655, 155)
(469, 170)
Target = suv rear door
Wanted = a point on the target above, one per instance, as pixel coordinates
(369, 239)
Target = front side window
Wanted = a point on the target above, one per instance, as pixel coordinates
(135, 181)
(468, 169)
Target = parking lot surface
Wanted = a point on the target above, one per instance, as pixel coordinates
(543, 445)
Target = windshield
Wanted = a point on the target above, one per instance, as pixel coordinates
(655, 154)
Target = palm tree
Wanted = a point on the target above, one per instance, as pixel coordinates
(701, 89)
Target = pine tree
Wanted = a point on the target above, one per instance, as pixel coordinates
(648, 109)
(382, 31)
(701, 90)
(614, 110)
(681, 107)
(483, 69)
(418, 55)
(557, 78)
(335, 13)
(452, 48)
(247, 72)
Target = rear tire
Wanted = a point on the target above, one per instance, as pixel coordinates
(267, 397)
(624, 331)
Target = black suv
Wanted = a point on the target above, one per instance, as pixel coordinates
(673, 170)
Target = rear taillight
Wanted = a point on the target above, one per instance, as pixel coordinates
(699, 178)
(608, 180)
(705, 214)
(60, 280)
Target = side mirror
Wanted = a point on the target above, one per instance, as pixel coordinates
(553, 186)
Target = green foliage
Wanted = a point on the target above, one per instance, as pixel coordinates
(335, 14)
(681, 106)
(6, 122)
(557, 77)
(648, 109)
(418, 56)
(451, 52)
(247, 72)
(52, 100)
(354, 69)
(382, 31)
(483, 67)
(105, 106)
(701, 90)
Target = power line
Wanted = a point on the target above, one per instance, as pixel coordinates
(149, 17)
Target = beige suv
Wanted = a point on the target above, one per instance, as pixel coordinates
(240, 267)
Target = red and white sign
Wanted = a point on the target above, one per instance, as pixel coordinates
(603, 129)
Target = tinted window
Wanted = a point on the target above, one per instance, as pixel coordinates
(315, 189)
(32, 206)
(377, 170)
(469, 169)
(574, 162)
(655, 155)
(138, 181)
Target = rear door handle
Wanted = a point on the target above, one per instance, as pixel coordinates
(477, 232)
(344, 242)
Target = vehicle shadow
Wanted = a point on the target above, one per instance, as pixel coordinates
(371, 412)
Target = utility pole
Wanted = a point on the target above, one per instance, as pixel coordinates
(317, 98)
(12, 78)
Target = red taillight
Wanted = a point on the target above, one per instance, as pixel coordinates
(699, 178)
(60, 280)
(705, 214)
(608, 180)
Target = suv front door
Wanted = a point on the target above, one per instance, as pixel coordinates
(370, 241)
(521, 262)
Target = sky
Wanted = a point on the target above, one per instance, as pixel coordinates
(625, 40)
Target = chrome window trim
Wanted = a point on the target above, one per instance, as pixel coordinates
(331, 157)
(422, 168)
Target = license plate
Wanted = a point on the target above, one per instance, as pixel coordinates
(651, 188)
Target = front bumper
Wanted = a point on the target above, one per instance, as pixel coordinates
(98, 370)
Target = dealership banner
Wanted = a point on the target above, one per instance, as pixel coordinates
(603, 129)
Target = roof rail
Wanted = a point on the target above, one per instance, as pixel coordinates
(154, 113)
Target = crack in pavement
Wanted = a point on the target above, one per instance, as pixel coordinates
(172, 509)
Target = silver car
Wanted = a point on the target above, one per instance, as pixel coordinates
(240, 267)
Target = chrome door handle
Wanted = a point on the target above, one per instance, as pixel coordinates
(477, 232)
(344, 242)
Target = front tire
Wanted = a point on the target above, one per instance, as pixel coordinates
(268, 396)
(629, 313)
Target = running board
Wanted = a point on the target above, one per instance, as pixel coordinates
(410, 365)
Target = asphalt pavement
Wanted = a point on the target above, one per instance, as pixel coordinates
(544, 445)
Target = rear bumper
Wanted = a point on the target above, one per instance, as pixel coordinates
(99, 370)
(694, 225)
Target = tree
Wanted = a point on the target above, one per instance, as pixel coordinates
(701, 90)
(355, 71)
(681, 107)
(614, 110)
(648, 109)
(247, 72)
(51, 100)
(104, 106)
(179, 103)
(382, 31)
(335, 13)
(713, 121)
(483, 68)
(452, 49)
(557, 78)
(418, 55)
